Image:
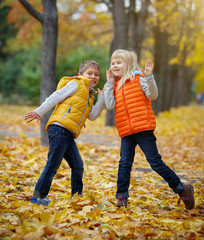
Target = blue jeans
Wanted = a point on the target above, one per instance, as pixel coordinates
(61, 145)
(147, 142)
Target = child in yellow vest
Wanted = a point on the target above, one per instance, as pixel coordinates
(129, 91)
(73, 101)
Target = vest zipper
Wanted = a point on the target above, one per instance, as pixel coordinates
(126, 108)
(68, 111)
(83, 115)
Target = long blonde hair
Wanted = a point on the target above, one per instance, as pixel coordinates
(130, 57)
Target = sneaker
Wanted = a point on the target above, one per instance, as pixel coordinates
(34, 199)
(43, 201)
(122, 201)
(187, 197)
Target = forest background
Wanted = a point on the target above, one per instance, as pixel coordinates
(44, 41)
(170, 32)
(66, 33)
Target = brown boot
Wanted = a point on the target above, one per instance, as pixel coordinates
(122, 201)
(187, 196)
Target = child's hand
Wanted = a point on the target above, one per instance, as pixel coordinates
(101, 91)
(30, 116)
(148, 67)
(110, 76)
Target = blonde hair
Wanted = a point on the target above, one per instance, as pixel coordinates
(130, 58)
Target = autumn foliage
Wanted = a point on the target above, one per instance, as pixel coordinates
(152, 211)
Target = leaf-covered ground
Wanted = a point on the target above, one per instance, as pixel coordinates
(152, 211)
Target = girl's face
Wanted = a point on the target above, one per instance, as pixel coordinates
(118, 67)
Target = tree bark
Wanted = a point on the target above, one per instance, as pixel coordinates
(129, 31)
(48, 63)
(137, 25)
(37, 15)
(120, 41)
(49, 20)
(174, 81)
(160, 67)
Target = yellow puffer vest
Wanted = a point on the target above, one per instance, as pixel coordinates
(73, 111)
(133, 111)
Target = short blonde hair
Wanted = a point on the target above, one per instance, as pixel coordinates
(84, 65)
(130, 57)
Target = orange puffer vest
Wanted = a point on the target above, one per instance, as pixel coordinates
(133, 111)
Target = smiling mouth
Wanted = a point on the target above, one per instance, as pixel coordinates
(93, 82)
(116, 72)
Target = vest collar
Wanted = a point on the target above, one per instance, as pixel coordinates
(137, 72)
(86, 80)
(80, 77)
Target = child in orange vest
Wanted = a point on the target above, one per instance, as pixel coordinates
(73, 101)
(129, 91)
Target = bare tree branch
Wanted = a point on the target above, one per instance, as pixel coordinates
(34, 13)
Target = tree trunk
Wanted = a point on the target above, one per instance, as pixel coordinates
(137, 25)
(48, 62)
(49, 20)
(174, 81)
(160, 68)
(120, 41)
(129, 32)
(182, 91)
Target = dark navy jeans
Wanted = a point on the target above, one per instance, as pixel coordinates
(61, 145)
(147, 142)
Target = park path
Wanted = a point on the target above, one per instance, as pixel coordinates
(83, 138)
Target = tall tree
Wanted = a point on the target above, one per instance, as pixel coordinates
(137, 25)
(174, 27)
(174, 36)
(120, 40)
(129, 30)
(49, 21)
(6, 30)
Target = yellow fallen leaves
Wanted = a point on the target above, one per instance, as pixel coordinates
(152, 211)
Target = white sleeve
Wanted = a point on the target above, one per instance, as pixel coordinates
(97, 108)
(56, 97)
(109, 96)
(149, 86)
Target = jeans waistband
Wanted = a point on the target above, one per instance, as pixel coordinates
(63, 129)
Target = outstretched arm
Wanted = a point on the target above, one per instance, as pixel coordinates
(68, 90)
(30, 116)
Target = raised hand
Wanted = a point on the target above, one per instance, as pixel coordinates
(30, 116)
(110, 76)
(148, 67)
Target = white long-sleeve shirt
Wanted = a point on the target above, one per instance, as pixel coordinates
(147, 83)
(67, 91)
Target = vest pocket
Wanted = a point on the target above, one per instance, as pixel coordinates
(68, 111)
